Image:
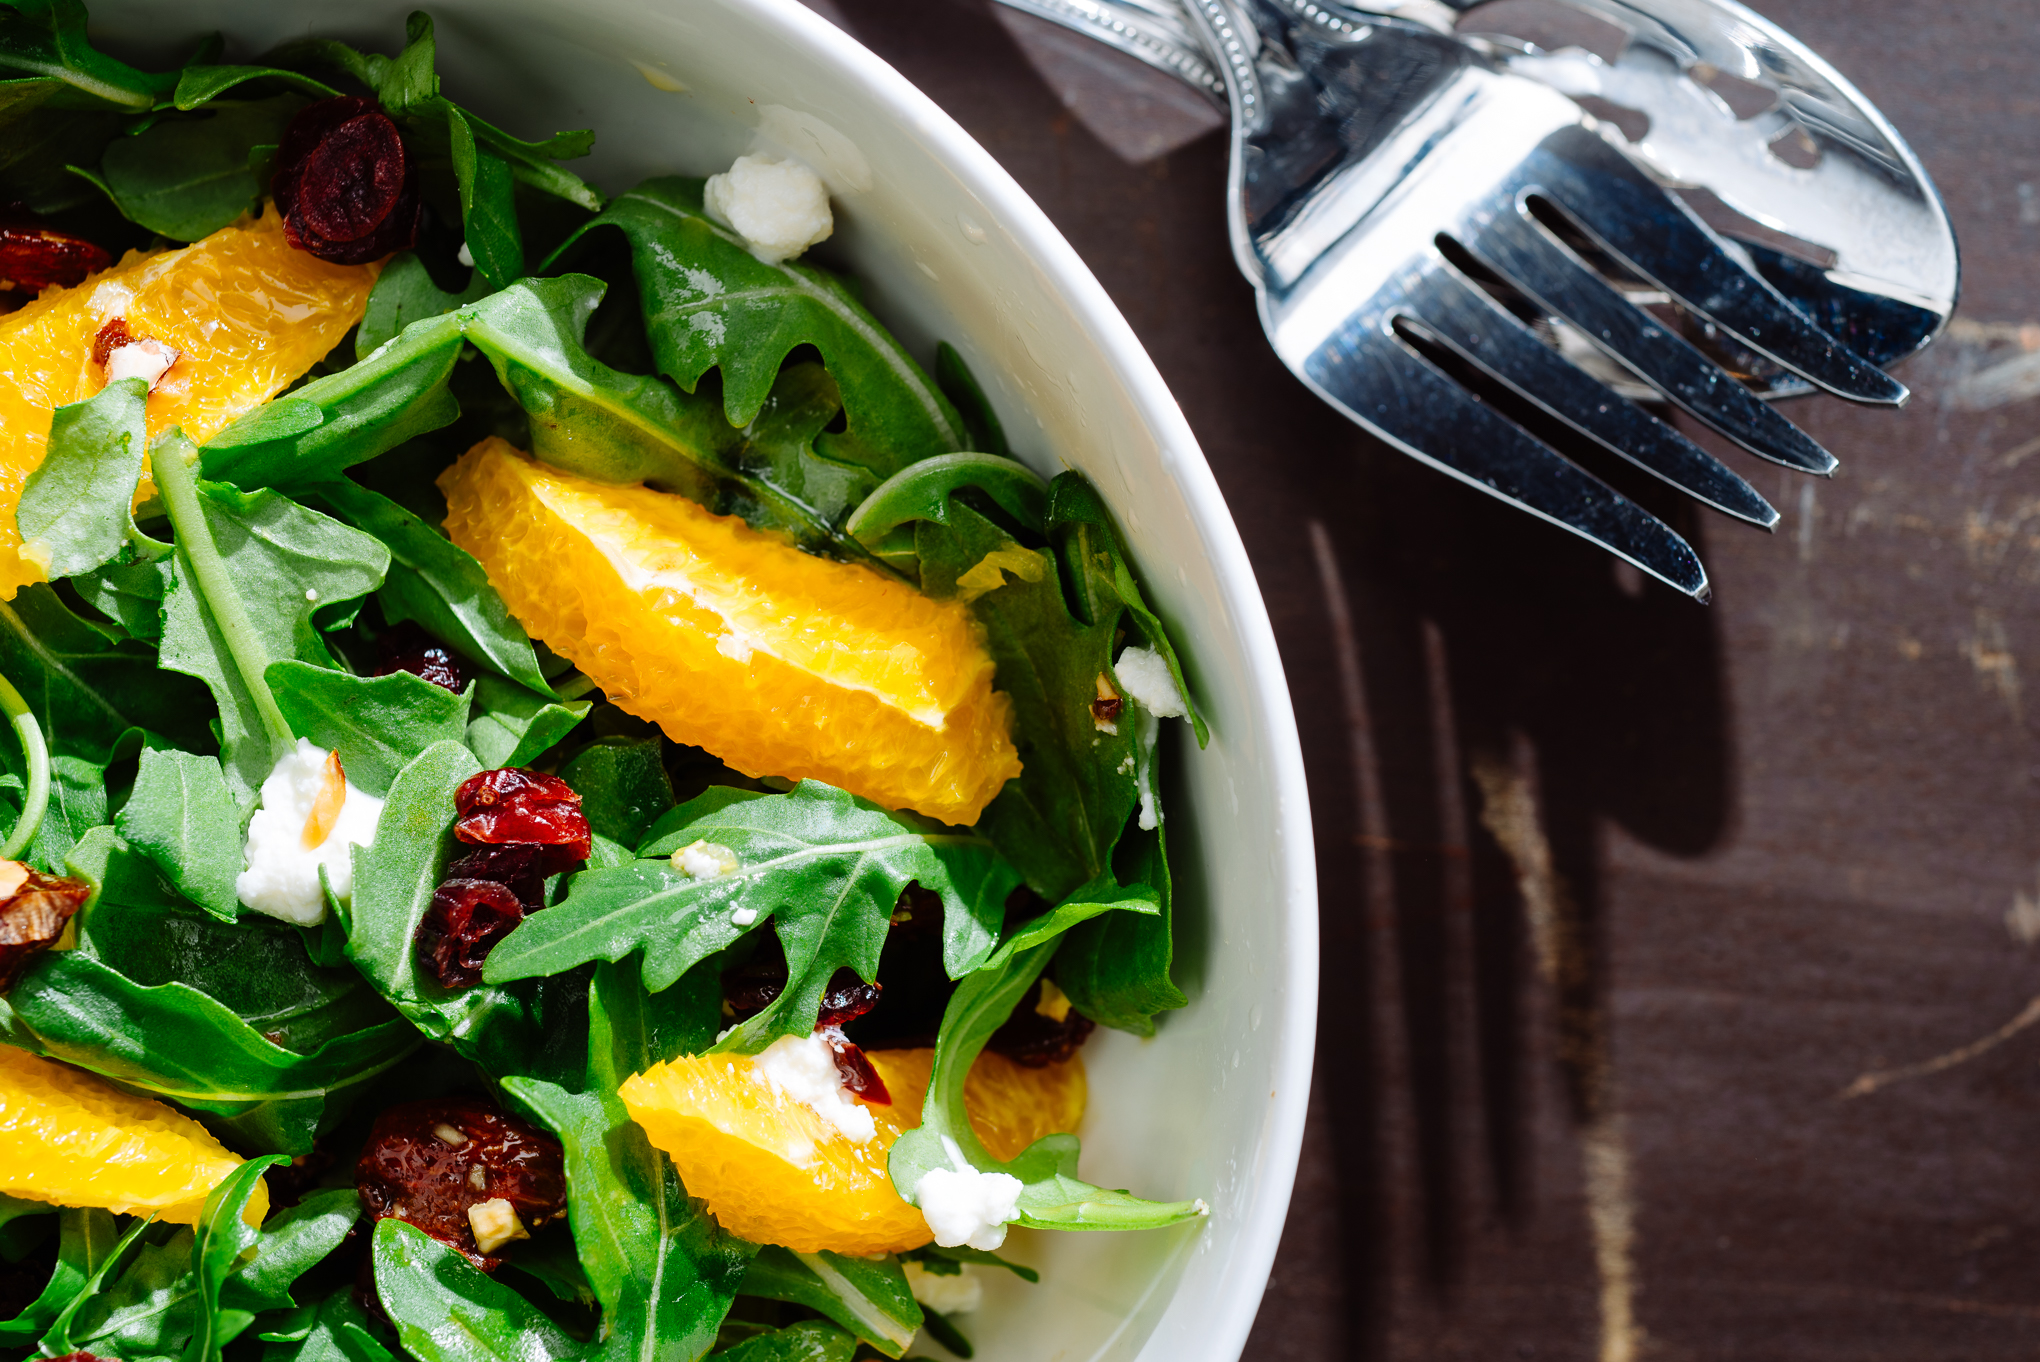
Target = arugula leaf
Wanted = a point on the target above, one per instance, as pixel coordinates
(393, 395)
(57, 1340)
(202, 84)
(226, 625)
(710, 304)
(960, 385)
(181, 815)
(808, 1341)
(131, 594)
(337, 1330)
(219, 1239)
(187, 177)
(623, 786)
(513, 726)
(292, 1242)
(73, 513)
(662, 1270)
(86, 1239)
(404, 293)
(922, 491)
(869, 1297)
(1115, 968)
(24, 1225)
(488, 205)
(234, 1019)
(438, 584)
(447, 1310)
(1051, 1197)
(378, 724)
(88, 693)
(505, 1030)
(827, 868)
(947, 1262)
(47, 38)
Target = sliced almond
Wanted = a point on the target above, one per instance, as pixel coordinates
(326, 808)
(13, 874)
(1054, 1003)
(450, 1134)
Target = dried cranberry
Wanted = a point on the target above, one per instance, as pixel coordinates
(407, 648)
(466, 920)
(1035, 1040)
(427, 1162)
(34, 913)
(848, 998)
(855, 1070)
(346, 187)
(33, 257)
(523, 867)
(515, 805)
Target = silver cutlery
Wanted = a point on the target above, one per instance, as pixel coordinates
(1443, 237)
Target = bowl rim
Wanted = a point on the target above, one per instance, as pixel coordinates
(1292, 994)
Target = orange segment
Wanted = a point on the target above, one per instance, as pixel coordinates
(774, 1172)
(779, 662)
(247, 314)
(72, 1139)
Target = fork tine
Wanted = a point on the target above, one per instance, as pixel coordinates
(1529, 257)
(1384, 386)
(1659, 237)
(1482, 332)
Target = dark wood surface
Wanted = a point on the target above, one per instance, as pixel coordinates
(1622, 893)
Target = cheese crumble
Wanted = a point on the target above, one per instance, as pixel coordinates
(282, 878)
(803, 1068)
(965, 1206)
(780, 208)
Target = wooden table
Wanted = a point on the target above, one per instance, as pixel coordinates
(1622, 893)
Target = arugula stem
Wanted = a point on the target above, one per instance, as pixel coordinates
(179, 490)
(37, 754)
(574, 687)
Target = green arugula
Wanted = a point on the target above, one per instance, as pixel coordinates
(662, 1270)
(623, 786)
(337, 1329)
(710, 304)
(1052, 1196)
(46, 38)
(226, 624)
(74, 511)
(961, 386)
(1115, 969)
(86, 1239)
(513, 726)
(181, 815)
(186, 177)
(229, 1018)
(438, 584)
(827, 869)
(166, 1300)
(404, 293)
(808, 1341)
(448, 1310)
(948, 1262)
(868, 1296)
(378, 724)
(312, 433)
(507, 1030)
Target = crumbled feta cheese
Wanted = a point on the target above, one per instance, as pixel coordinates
(965, 1206)
(282, 878)
(803, 1068)
(495, 1224)
(743, 917)
(465, 256)
(143, 359)
(1145, 676)
(706, 861)
(950, 1293)
(780, 208)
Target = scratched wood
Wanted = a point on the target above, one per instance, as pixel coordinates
(1621, 893)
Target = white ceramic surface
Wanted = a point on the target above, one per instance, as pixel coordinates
(950, 248)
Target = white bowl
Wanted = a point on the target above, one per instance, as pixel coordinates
(949, 248)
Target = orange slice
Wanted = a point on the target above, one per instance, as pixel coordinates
(778, 662)
(72, 1139)
(246, 313)
(774, 1172)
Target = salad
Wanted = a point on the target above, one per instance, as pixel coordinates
(568, 798)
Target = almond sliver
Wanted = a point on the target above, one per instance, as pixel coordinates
(326, 808)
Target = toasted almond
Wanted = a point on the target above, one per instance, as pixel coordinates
(326, 808)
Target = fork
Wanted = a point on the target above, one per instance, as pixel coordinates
(1411, 212)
